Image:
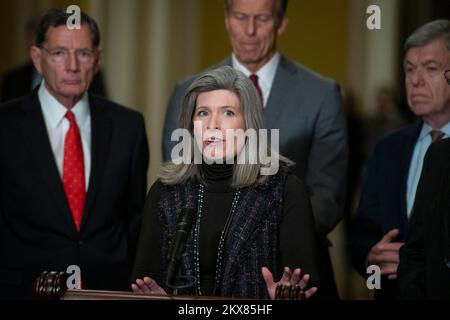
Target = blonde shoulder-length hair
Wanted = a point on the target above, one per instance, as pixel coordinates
(223, 78)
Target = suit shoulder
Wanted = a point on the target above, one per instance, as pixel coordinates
(185, 82)
(12, 108)
(182, 85)
(155, 188)
(399, 136)
(308, 75)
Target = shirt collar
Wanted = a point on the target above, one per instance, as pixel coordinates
(426, 129)
(266, 73)
(54, 112)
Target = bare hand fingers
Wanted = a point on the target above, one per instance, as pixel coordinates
(268, 277)
(135, 288)
(304, 282)
(393, 246)
(389, 268)
(287, 275)
(390, 236)
(387, 257)
(390, 257)
(310, 292)
(295, 276)
(149, 282)
(154, 286)
(142, 286)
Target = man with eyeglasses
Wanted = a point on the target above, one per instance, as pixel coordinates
(73, 169)
(390, 190)
(21, 80)
(424, 269)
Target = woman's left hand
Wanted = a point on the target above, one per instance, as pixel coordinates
(289, 278)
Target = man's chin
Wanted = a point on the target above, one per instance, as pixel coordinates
(249, 58)
(73, 91)
(421, 110)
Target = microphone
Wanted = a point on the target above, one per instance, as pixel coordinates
(184, 225)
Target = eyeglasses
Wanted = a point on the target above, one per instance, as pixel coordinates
(61, 55)
(447, 76)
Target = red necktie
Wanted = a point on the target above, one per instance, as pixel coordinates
(254, 79)
(73, 170)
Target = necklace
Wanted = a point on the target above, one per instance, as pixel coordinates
(217, 277)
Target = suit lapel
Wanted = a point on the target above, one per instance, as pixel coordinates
(282, 83)
(101, 128)
(442, 210)
(37, 140)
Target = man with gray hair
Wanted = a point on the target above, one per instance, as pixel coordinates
(393, 172)
(304, 106)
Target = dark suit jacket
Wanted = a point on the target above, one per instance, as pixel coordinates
(382, 206)
(424, 270)
(17, 83)
(37, 232)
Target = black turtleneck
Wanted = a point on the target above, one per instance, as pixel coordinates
(216, 208)
(297, 230)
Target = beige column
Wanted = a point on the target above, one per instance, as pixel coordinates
(156, 46)
(120, 49)
(148, 46)
(170, 47)
(373, 56)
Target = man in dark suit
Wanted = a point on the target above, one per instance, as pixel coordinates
(424, 269)
(304, 106)
(72, 171)
(393, 172)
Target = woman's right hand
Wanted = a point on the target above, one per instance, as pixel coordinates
(147, 285)
(290, 280)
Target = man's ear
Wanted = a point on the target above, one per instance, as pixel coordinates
(283, 25)
(35, 55)
(227, 23)
(98, 61)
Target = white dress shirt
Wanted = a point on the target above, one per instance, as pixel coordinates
(415, 168)
(58, 125)
(266, 74)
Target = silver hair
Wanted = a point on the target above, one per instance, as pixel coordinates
(436, 29)
(222, 78)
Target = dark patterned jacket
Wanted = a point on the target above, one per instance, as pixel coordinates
(252, 240)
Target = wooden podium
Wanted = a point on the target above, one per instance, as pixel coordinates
(52, 286)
